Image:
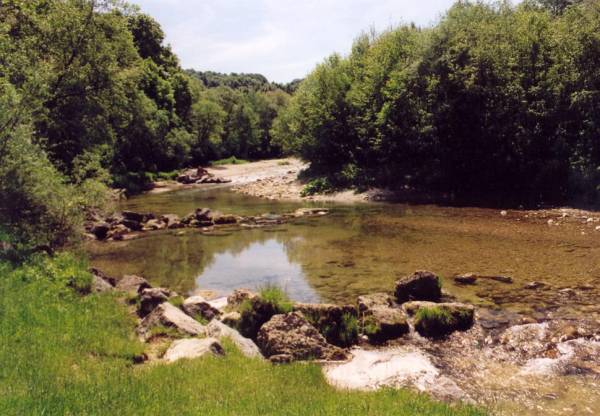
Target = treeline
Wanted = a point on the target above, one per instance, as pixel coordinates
(91, 97)
(495, 104)
(248, 82)
(237, 112)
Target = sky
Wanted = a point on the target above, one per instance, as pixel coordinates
(281, 39)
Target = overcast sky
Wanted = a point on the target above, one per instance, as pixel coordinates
(281, 39)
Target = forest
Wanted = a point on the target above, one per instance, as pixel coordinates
(496, 104)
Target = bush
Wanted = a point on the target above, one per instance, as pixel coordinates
(37, 204)
(317, 186)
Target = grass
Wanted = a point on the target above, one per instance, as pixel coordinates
(434, 313)
(277, 297)
(434, 321)
(63, 353)
(229, 161)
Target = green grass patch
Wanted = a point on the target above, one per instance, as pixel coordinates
(277, 297)
(435, 321)
(229, 161)
(177, 301)
(67, 354)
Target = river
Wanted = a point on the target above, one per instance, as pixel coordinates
(363, 248)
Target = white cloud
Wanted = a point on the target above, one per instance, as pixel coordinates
(282, 39)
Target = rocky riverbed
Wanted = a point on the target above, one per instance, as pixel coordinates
(415, 336)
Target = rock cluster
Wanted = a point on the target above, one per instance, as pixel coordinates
(199, 176)
(278, 329)
(128, 224)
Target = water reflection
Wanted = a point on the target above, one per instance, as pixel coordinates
(259, 264)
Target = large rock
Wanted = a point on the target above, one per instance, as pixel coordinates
(292, 335)
(383, 323)
(204, 215)
(246, 346)
(118, 232)
(132, 284)
(375, 300)
(99, 284)
(132, 225)
(440, 319)
(173, 221)
(232, 319)
(167, 315)
(109, 279)
(151, 298)
(338, 324)
(192, 348)
(422, 285)
(198, 307)
(257, 312)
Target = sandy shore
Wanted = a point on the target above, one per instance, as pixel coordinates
(270, 179)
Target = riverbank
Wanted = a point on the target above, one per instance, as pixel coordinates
(278, 180)
(65, 353)
(275, 179)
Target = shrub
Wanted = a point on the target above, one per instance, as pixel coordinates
(317, 186)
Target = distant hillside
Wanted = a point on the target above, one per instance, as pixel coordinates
(248, 82)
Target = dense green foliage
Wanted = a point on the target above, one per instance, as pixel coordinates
(63, 353)
(91, 97)
(495, 104)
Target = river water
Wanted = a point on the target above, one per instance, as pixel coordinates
(364, 248)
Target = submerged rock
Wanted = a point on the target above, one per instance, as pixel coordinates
(167, 315)
(192, 348)
(396, 368)
(466, 279)
(292, 335)
(422, 285)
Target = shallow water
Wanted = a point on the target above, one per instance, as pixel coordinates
(361, 249)
(364, 248)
